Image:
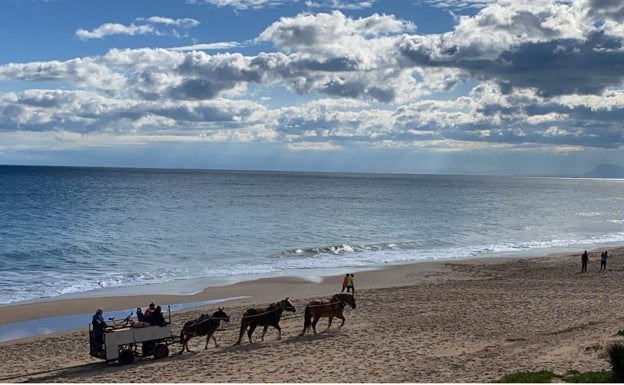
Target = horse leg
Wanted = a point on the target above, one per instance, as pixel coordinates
(185, 344)
(314, 321)
(208, 336)
(342, 318)
(331, 318)
(252, 327)
(279, 331)
(264, 330)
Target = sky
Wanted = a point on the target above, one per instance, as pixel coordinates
(501, 87)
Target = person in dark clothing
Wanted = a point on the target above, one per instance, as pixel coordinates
(584, 260)
(603, 260)
(148, 316)
(157, 317)
(99, 326)
(140, 316)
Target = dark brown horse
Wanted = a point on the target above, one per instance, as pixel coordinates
(269, 316)
(205, 325)
(332, 308)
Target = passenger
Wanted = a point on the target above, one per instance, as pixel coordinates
(148, 316)
(140, 316)
(141, 322)
(150, 309)
(158, 318)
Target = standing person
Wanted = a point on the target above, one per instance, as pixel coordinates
(98, 328)
(603, 260)
(345, 283)
(584, 259)
(350, 286)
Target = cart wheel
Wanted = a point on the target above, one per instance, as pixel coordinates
(126, 357)
(161, 351)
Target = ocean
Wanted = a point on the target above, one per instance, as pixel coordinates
(68, 231)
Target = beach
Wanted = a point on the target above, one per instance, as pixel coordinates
(447, 321)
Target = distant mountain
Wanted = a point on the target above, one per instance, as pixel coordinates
(605, 171)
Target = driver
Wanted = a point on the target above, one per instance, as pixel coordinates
(98, 327)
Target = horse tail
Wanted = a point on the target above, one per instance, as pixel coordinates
(182, 336)
(243, 327)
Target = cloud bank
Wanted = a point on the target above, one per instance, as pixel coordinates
(514, 75)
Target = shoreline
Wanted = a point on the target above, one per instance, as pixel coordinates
(251, 293)
(17, 318)
(453, 321)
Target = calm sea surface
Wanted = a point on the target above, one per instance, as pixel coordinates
(83, 230)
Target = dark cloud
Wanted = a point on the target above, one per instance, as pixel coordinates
(557, 67)
(196, 89)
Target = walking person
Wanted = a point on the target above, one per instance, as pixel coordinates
(584, 260)
(350, 286)
(345, 283)
(603, 261)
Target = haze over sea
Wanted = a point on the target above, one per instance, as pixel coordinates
(86, 231)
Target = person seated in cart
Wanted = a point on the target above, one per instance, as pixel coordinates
(157, 317)
(99, 327)
(141, 320)
(148, 316)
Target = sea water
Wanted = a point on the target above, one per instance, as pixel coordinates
(88, 231)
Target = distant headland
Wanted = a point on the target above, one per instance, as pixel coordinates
(605, 171)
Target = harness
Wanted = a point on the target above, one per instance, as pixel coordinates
(331, 302)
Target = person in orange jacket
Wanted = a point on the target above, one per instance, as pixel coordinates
(345, 282)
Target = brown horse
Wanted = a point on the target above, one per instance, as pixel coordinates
(205, 325)
(269, 316)
(332, 308)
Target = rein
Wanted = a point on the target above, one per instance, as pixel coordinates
(265, 313)
(199, 322)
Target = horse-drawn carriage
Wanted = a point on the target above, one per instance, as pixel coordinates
(120, 342)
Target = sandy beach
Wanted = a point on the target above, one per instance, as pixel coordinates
(459, 321)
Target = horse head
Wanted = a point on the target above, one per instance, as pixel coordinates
(352, 303)
(220, 315)
(286, 305)
(349, 299)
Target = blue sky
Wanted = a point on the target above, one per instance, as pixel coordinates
(407, 86)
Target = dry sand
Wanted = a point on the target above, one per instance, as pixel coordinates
(468, 321)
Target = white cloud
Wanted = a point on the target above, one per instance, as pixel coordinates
(140, 26)
(207, 46)
(528, 71)
(243, 4)
(339, 4)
